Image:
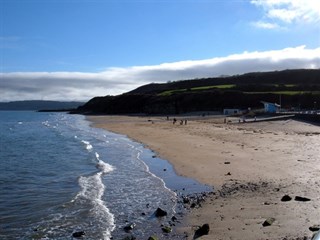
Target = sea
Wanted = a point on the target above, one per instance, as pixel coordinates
(60, 176)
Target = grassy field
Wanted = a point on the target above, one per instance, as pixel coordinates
(287, 92)
(170, 92)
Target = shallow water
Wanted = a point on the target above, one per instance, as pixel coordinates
(59, 176)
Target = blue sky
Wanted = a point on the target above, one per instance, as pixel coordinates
(114, 46)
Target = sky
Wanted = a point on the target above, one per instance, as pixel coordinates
(77, 49)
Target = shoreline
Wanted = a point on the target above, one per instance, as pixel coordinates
(251, 166)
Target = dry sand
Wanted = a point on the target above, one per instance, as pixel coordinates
(251, 166)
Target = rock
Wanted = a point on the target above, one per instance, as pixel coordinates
(174, 219)
(129, 227)
(203, 230)
(78, 234)
(314, 228)
(286, 198)
(186, 200)
(302, 199)
(160, 213)
(268, 222)
(167, 229)
(153, 238)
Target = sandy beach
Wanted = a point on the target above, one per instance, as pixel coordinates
(251, 166)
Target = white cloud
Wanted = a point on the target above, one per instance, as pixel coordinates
(265, 25)
(83, 86)
(285, 12)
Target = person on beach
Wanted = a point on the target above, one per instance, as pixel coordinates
(185, 122)
(174, 120)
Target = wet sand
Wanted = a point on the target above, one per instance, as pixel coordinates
(251, 166)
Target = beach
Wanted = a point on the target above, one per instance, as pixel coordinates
(251, 166)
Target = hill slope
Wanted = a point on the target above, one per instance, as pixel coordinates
(297, 88)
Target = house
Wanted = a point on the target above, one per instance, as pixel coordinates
(271, 107)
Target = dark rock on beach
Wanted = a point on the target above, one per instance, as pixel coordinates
(166, 229)
(129, 227)
(268, 222)
(78, 234)
(286, 198)
(302, 199)
(314, 228)
(160, 213)
(203, 230)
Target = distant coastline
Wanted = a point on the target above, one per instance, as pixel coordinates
(36, 105)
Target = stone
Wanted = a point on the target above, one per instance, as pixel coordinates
(78, 234)
(203, 230)
(286, 198)
(174, 218)
(186, 200)
(314, 228)
(167, 229)
(268, 222)
(160, 213)
(129, 227)
(302, 199)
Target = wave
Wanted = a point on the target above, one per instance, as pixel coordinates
(90, 195)
(87, 144)
(103, 166)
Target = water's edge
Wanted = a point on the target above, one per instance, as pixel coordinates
(190, 193)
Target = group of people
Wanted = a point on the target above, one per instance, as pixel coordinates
(185, 121)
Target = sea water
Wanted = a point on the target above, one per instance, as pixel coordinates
(59, 175)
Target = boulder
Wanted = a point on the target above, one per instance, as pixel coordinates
(78, 234)
(302, 199)
(203, 230)
(129, 227)
(286, 198)
(166, 229)
(268, 222)
(174, 218)
(160, 213)
(314, 228)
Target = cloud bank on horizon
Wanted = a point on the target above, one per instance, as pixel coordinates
(278, 14)
(83, 86)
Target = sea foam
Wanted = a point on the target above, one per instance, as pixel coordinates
(87, 145)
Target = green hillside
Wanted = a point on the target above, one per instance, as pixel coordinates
(297, 89)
